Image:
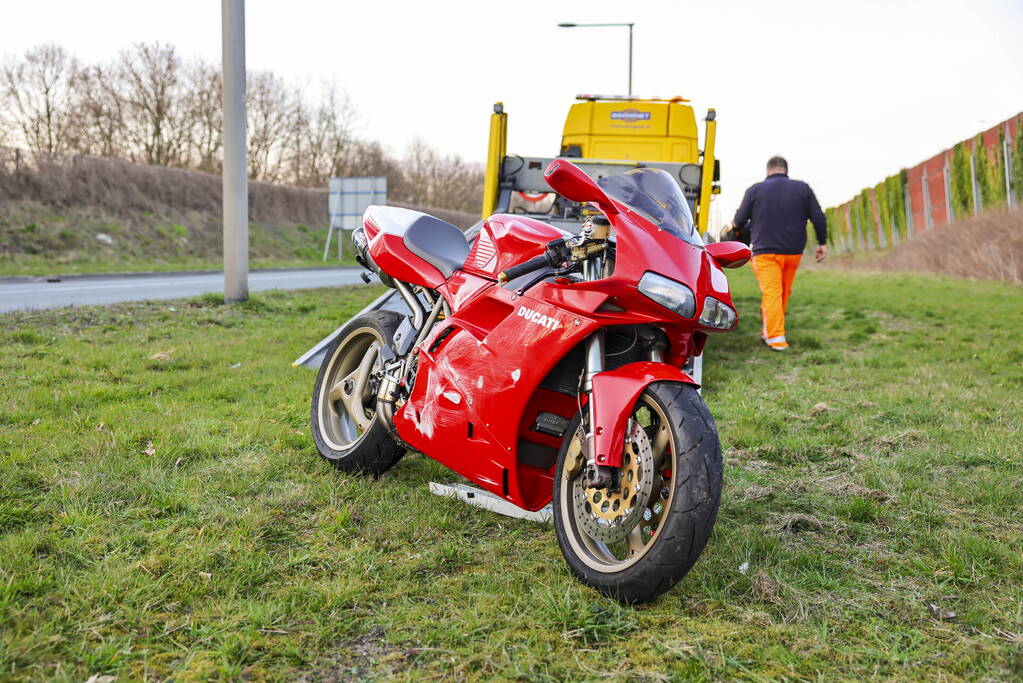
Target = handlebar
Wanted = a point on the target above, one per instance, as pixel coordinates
(529, 266)
(559, 253)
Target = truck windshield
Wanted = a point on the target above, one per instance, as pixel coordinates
(654, 194)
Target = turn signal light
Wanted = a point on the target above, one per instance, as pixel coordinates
(717, 315)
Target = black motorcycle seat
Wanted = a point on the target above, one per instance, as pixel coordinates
(437, 242)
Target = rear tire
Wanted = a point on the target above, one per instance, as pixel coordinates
(359, 444)
(676, 520)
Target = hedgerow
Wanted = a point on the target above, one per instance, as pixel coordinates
(1017, 161)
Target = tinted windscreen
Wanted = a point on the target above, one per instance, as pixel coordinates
(656, 196)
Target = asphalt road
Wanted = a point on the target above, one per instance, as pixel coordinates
(31, 294)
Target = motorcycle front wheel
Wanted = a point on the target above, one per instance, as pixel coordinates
(638, 539)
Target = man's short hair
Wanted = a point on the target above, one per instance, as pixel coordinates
(778, 162)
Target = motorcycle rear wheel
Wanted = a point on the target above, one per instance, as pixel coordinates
(347, 431)
(675, 508)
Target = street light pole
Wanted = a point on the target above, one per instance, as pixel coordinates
(629, 24)
(630, 60)
(235, 174)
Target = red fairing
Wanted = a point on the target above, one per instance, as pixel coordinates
(394, 258)
(614, 393)
(463, 287)
(472, 388)
(506, 240)
(484, 373)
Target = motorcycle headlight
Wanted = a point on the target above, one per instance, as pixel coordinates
(717, 315)
(674, 296)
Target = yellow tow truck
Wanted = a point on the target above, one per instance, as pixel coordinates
(606, 135)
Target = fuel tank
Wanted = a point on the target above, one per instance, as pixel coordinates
(506, 240)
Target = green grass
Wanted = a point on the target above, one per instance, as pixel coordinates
(168, 517)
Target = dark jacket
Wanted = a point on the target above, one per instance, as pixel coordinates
(779, 209)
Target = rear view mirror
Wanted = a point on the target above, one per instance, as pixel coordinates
(573, 184)
(729, 254)
(690, 174)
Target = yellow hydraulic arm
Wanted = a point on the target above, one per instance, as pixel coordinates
(703, 210)
(497, 148)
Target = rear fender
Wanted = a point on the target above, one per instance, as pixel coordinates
(614, 394)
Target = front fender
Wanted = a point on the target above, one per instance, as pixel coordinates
(614, 393)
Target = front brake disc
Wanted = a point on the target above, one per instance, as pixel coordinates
(606, 516)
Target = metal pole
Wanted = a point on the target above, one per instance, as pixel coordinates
(927, 201)
(236, 182)
(629, 25)
(326, 247)
(893, 220)
(947, 177)
(875, 219)
(973, 184)
(909, 224)
(1007, 158)
(630, 60)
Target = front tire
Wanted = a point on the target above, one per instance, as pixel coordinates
(635, 544)
(347, 431)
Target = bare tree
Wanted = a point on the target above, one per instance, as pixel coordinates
(37, 97)
(368, 157)
(98, 108)
(322, 138)
(418, 172)
(430, 179)
(271, 109)
(146, 105)
(203, 104)
(157, 123)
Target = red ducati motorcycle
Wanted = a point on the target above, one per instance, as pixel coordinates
(541, 364)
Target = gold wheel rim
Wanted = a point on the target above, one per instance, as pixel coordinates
(346, 405)
(609, 558)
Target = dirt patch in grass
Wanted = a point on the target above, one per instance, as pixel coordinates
(799, 523)
(360, 658)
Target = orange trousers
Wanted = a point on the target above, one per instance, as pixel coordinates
(775, 273)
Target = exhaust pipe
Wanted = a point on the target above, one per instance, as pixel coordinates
(387, 396)
(362, 256)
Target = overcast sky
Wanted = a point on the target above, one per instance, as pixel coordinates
(849, 92)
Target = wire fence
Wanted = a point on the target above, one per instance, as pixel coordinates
(976, 175)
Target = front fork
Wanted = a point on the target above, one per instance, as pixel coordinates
(596, 476)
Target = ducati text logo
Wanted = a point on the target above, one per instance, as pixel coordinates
(538, 318)
(630, 115)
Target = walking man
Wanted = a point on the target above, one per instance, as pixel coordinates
(778, 209)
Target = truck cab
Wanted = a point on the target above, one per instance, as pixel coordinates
(605, 135)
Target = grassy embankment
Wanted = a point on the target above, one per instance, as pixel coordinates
(45, 240)
(92, 215)
(986, 247)
(163, 512)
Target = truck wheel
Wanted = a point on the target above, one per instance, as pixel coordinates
(637, 542)
(346, 428)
